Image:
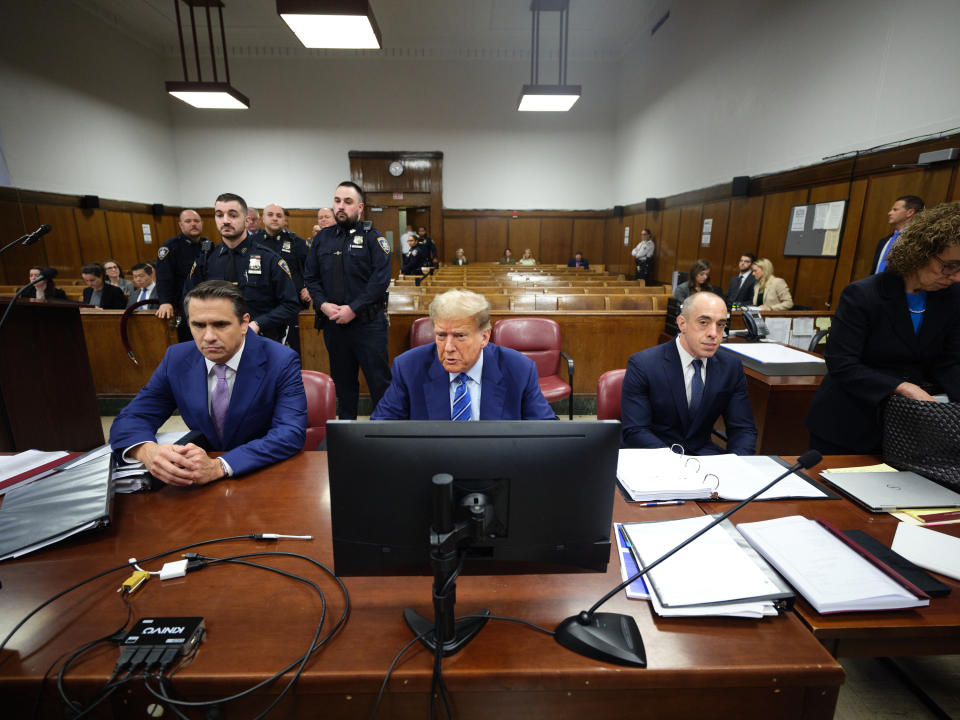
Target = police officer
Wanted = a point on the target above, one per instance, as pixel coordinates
(262, 276)
(428, 246)
(348, 271)
(174, 261)
(293, 249)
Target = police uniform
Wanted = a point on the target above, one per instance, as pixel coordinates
(293, 249)
(351, 266)
(174, 260)
(264, 279)
(415, 259)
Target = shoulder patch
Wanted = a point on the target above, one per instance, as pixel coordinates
(164, 251)
(283, 266)
(309, 242)
(192, 268)
(384, 245)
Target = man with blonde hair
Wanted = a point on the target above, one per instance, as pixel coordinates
(464, 376)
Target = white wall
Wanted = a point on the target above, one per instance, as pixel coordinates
(83, 109)
(747, 87)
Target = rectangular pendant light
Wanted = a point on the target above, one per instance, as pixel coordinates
(332, 24)
(548, 98)
(209, 95)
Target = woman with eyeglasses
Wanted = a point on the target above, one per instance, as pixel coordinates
(114, 276)
(894, 333)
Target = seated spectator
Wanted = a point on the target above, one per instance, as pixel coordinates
(460, 258)
(113, 275)
(508, 258)
(145, 284)
(674, 392)
(98, 292)
(770, 292)
(578, 261)
(242, 391)
(697, 281)
(463, 376)
(45, 289)
(527, 258)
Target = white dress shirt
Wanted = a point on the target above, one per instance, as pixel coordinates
(473, 385)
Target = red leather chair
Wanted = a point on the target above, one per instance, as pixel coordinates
(321, 406)
(539, 339)
(609, 387)
(421, 332)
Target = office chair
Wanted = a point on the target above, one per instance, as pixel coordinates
(421, 332)
(609, 388)
(321, 406)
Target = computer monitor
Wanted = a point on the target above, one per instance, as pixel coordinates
(551, 486)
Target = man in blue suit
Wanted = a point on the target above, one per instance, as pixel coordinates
(674, 393)
(242, 391)
(462, 376)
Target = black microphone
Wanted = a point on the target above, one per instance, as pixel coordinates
(46, 274)
(36, 234)
(615, 638)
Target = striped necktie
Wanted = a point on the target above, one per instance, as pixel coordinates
(461, 399)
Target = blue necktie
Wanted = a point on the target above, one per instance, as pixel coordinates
(882, 265)
(461, 399)
(696, 387)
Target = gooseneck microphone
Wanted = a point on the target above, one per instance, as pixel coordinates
(45, 274)
(36, 235)
(614, 637)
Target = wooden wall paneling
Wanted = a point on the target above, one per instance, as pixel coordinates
(815, 275)
(587, 238)
(492, 239)
(954, 193)
(208, 225)
(932, 185)
(667, 245)
(62, 244)
(301, 222)
(462, 232)
(688, 238)
(743, 233)
(611, 255)
(522, 233)
(435, 221)
(11, 227)
(556, 240)
(146, 252)
(123, 247)
(843, 269)
(92, 235)
(773, 232)
(19, 259)
(719, 212)
(168, 227)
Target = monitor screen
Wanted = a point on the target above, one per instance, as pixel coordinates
(549, 486)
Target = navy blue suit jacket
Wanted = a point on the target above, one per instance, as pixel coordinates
(267, 417)
(420, 388)
(653, 404)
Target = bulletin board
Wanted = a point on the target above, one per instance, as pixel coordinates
(814, 230)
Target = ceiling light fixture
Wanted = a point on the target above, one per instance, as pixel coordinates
(206, 95)
(332, 24)
(549, 98)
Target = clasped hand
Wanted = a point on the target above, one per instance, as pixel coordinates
(179, 464)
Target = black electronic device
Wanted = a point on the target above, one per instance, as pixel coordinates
(158, 641)
(523, 497)
(756, 327)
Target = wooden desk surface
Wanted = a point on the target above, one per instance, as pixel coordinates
(258, 622)
(933, 630)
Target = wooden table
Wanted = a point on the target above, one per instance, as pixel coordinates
(933, 630)
(257, 622)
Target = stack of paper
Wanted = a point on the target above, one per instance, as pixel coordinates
(133, 477)
(828, 573)
(716, 574)
(27, 466)
(649, 475)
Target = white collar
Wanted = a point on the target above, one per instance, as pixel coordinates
(474, 373)
(233, 363)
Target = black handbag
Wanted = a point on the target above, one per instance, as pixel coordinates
(923, 437)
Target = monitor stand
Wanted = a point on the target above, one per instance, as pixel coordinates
(446, 543)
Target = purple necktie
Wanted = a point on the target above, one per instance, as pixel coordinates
(221, 399)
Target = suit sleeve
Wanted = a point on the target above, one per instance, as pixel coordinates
(166, 285)
(636, 414)
(154, 404)
(738, 418)
(783, 300)
(395, 403)
(534, 405)
(288, 428)
(115, 299)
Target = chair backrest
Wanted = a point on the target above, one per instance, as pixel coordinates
(524, 302)
(609, 387)
(321, 406)
(498, 302)
(402, 301)
(537, 338)
(421, 332)
(630, 302)
(581, 302)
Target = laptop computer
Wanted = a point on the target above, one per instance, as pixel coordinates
(889, 491)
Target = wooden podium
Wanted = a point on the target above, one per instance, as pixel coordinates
(47, 398)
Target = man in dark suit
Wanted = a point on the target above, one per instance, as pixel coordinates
(899, 216)
(145, 286)
(674, 393)
(99, 293)
(463, 376)
(242, 391)
(740, 291)
(579, 261)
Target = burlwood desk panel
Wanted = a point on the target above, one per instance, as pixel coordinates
(258, 622)
(933, 630)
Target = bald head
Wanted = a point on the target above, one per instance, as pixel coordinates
(272, 218)
(701, 322)
(190, 224)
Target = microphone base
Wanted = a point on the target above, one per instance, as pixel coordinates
(608, 637)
